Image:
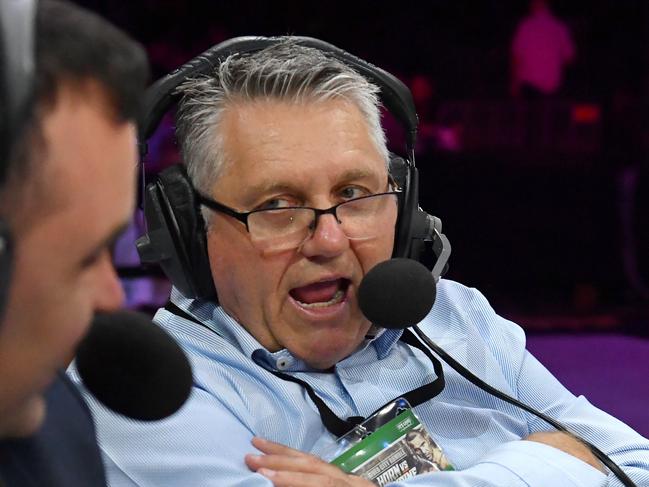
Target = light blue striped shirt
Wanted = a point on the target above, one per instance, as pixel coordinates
(235, 398)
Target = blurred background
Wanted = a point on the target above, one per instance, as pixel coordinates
(534, 135)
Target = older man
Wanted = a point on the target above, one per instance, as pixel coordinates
(70, 189)
(285, 149)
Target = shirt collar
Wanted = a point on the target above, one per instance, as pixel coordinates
(215, 318)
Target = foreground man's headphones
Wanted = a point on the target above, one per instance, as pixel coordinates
(17, 19)
(176, 238)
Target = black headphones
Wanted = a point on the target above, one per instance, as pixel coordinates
(176, 238)
(17, 67)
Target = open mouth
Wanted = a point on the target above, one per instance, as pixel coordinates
(321, 294)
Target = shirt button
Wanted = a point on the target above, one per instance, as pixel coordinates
(283, 363)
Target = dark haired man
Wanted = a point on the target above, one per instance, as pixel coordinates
(69, 191)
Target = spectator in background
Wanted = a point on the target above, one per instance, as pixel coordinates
(424, 95)
(624, 147)
(541, 48)
(436, 133)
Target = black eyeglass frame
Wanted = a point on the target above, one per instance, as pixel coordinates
(242, 216)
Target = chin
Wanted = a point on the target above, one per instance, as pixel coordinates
(325, 359)
(25, 420)
(322, 364)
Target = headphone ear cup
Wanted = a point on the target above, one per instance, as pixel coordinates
(176, 237)
(413, 224)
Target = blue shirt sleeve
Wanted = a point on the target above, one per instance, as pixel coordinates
(513, 463)
(517, 463)
(202, 444)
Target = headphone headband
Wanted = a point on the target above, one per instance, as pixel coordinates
(17, 66)
(17, 19)
(162, 94)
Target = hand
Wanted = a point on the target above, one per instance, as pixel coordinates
(568, 444)
(286, 467)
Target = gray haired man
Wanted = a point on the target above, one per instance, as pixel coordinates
(285, 148)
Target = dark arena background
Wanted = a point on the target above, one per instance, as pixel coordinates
(544, 196)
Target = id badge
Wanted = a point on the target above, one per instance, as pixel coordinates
(390, 445)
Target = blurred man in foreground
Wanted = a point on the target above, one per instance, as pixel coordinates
(69, 193)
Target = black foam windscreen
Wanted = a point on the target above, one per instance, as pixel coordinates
(133, 366)
(397, 293)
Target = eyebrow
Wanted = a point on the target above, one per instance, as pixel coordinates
(253, 193)
(357, 173)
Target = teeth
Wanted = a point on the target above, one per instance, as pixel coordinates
(337, 298)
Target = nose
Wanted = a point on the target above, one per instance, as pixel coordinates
(327, 240)
(109, 294)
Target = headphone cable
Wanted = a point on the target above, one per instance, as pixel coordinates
(475, 380)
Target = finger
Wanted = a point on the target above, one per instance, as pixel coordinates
(299, 479)
(272, 448)
(305, 463)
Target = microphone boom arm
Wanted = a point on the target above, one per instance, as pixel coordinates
(442, 248)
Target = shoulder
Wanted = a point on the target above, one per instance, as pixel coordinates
(64, 451)
(456, 301)
(224, 371)
(462, 315)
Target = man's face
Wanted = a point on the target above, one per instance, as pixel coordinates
(281, 154)
(422, 447)
(63, 271)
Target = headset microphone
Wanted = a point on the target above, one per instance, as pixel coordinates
(397, 293)
(133, 366)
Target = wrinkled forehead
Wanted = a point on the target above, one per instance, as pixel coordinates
(271, 138)
(304, 110)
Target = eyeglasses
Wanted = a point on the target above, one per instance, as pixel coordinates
(279, 229)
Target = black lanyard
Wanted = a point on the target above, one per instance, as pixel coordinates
(333, 423)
